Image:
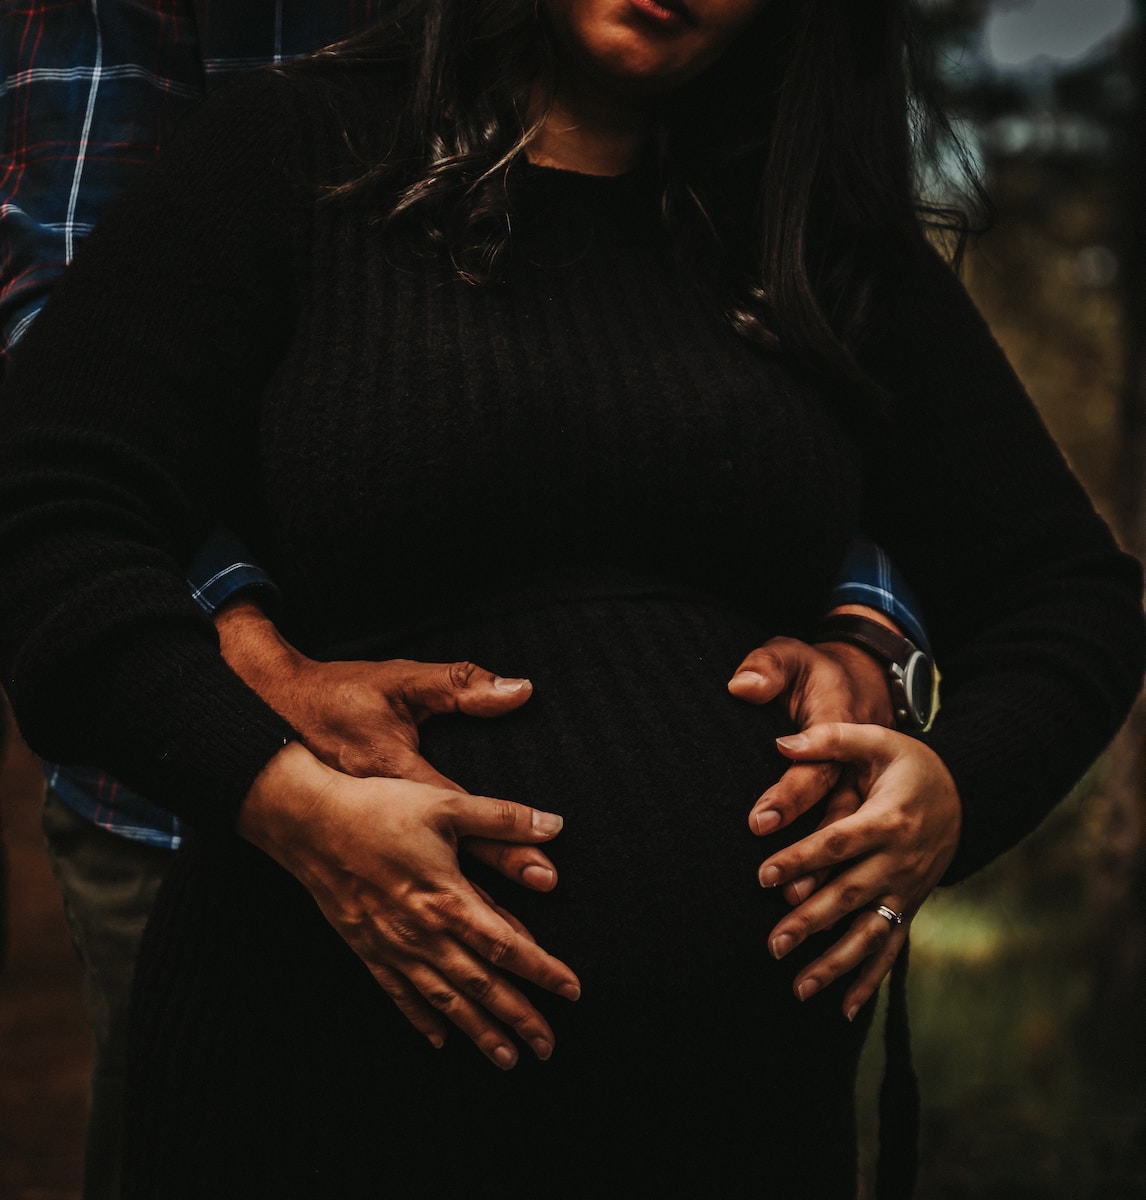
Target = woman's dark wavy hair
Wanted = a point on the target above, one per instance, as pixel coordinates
(790, 167)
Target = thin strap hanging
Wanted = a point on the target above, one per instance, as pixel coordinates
(898, 1163)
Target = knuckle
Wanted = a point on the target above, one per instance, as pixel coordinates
(802, 926)
(404, 932)
(447, 909)
(385, 978)
(872, 939)
(460, 674)
(895, 825)
(837, 844)
(501, 950)
(527, 1022)
(833, 737)
(778, 647)
(444, 999)
(829, 970)
(504, 813)
(768, 655)
(916, 862)
(478, 986)
(827, 773)
(851, 897)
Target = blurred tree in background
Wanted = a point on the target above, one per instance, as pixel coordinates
(1028, 994)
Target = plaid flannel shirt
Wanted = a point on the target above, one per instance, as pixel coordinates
(90, 90)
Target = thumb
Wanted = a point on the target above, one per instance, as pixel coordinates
(434, 688)
(770, 670)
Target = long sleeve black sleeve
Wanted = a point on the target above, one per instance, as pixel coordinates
(119, 428)
(1035, 613)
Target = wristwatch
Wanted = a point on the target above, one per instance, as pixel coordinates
(910, 672)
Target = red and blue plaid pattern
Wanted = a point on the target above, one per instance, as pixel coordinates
(89, 92)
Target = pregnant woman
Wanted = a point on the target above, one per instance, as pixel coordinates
(577, 339)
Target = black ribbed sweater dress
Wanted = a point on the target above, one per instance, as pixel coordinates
(580, 475)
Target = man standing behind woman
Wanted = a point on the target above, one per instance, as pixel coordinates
(90, 91)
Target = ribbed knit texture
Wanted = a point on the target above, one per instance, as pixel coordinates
(580, 475)
(421, 446)
(267, 1059)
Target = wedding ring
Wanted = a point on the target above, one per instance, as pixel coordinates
(890, 913)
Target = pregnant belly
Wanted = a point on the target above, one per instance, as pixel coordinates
(687, 1044)
(632, 737)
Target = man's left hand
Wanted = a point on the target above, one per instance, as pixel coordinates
(830, 682)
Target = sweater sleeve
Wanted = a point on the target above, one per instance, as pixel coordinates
(1034, 612)
(127, 426)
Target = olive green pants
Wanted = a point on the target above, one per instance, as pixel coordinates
(108, 884)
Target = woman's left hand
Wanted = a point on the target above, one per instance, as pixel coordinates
(891, 852)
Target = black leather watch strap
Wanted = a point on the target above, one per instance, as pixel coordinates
(884, 643)
(910, 673)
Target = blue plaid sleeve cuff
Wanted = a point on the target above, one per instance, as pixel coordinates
(222, 569)
(105, 802)
(869, 577)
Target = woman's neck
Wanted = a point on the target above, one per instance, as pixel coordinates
(590, 135)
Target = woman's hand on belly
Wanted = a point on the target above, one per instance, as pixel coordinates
(362, 718)
(891, 852)
(379, 856)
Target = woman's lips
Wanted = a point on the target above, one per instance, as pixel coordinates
(665, 13)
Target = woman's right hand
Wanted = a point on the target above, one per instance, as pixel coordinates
(380, 858)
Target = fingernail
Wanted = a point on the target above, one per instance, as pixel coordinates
(769, 876)
(747, 679)
(540, 878)
(781, 944)
(571, 991)
(794, 741)
(542, 1049)
(767, 820)
(544, 822)
(509, 685)
(808, 988)
(436, 1040)
(505, 1057)
(803, 887)
(851, 1013)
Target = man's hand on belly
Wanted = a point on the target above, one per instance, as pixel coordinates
(362, 718)
(817, 684)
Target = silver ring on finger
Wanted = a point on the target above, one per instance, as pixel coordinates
(893, 917)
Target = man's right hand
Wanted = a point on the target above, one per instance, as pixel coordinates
(362, 718)
(379, 856)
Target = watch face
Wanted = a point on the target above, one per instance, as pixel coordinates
(917, 686)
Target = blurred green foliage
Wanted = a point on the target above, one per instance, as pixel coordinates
(1019, 1100)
